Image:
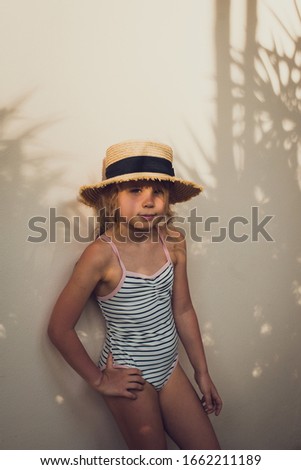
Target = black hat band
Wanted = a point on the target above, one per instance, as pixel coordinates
(140, 164)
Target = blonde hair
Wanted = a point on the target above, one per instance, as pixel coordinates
(107, 204)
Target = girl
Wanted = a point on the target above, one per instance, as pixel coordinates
(136, 269)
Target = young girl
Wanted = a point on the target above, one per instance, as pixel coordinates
(136, 269)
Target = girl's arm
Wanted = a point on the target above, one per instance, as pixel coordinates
(61, 330)
(189, 331)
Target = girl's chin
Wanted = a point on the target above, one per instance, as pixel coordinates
(148, 219)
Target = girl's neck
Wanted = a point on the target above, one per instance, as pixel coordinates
(126, 233)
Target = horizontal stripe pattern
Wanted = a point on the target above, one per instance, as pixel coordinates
(141, 331)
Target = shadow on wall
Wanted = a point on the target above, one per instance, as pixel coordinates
(24, 180)
(257, 284)
(27, 175)
(31, 278)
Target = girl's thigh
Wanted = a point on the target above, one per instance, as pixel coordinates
(140, 420)
(184, 417)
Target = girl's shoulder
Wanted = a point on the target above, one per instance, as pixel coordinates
(97, 254)
(175, 241)
(174, 235)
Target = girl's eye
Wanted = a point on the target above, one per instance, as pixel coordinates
(135, 190)
(139, 190)
(159, 191)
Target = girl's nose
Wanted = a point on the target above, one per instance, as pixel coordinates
(148, 200)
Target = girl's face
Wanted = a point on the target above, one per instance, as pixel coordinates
(142, 204)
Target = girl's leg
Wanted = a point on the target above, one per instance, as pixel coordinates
(184, 418)
(139, 420)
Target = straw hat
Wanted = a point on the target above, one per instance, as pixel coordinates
(139, 160)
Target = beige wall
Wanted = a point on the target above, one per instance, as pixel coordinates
(220, 82)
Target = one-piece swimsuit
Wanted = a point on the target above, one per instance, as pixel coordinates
(140, 327)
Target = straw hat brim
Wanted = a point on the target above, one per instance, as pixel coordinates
(181, 190)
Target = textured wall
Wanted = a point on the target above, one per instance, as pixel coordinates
(220, 82)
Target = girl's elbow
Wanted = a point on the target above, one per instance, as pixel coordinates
(59, 333)
(54, 334)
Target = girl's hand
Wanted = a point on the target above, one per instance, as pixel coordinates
(211, 400)
(119, 381)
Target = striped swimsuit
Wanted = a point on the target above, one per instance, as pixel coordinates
(141, 331)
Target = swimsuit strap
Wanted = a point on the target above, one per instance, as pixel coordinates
(164, 246)
(114, 248)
